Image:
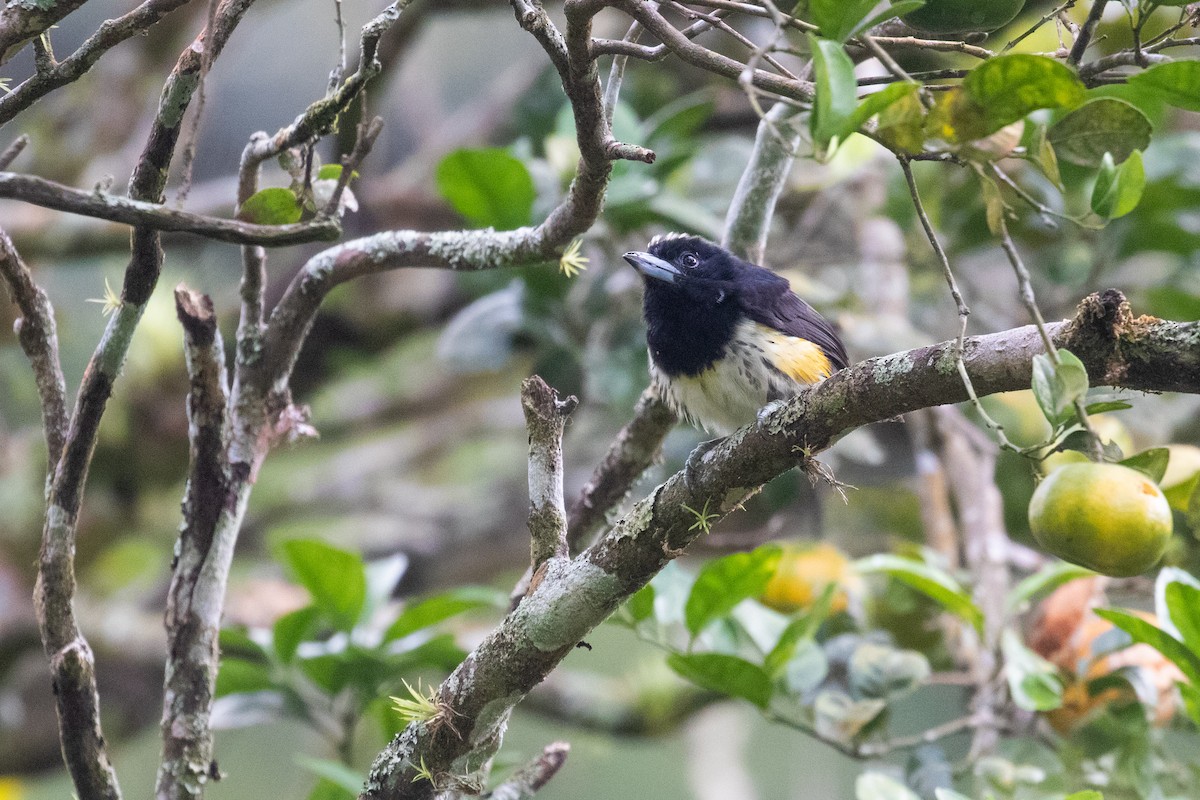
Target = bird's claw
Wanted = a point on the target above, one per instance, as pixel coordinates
(693, 461)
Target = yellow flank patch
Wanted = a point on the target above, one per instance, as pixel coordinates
(801, 360)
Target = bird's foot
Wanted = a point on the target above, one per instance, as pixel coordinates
(769, 409)
(694, 459)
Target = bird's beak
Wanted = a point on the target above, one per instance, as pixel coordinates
(652, 266)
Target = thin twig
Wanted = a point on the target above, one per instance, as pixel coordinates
(111, 33)
(1037, 25)
(37, 333)
(963, 311)
(1086, 32)
(1025, 284)
(13, 150)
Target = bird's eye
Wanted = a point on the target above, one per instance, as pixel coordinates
(689, 260)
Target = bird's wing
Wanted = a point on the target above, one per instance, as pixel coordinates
(769, 300)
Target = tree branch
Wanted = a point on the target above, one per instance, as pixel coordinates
(70, 657)
(1086, 32)
(38, 335)
(20, 22)
(111, 33)
(529, 779)
(635, 448)
(575, 596)
(545, 417)
(213, 504)
(471, 249)
(153, 216)
(320, 117)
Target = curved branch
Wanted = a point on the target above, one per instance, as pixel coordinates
(153, 216)
(469, 249)
(577, 595)
(111, 33)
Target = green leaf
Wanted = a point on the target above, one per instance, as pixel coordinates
(1118, 189)
(1045, 580)
(1042, 154)
(1142, 631)
(799, 630)
(876, 102)
(725, 674)
(1006, 88)
(1106, 406)
(896, 9)
(641, 605)
(276, 206)
(838, 19)
(333, 771)
(929, 581)
(884, 672)
(1056, 387)
(490, 187)
(942, 793)
(1183, 609)
(1176, 83)
(841, 718)
(237, 676)
(439, 607)
(335, 578)
(236, 642)
(836, 92)
(1087, 794)
(901, 124)
(1105, 125)
(291, 629)
(1152, 463)
(1191, 700)
(725, 582)
(877, 786)
(1033, 681)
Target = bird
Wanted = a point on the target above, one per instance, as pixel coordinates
(726, 337)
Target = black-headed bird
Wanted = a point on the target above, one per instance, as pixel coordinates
(727, 337)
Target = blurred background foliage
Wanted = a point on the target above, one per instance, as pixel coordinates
(412, 379)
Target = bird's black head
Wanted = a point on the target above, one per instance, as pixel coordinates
(690, 302)
(687, 269)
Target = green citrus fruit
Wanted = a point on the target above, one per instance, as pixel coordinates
(1105, 517)
(963, 16)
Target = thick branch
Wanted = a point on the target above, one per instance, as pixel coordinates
(545, 418)
(111, 33)
(153, 216)
(38, 336)
(211, 514)
(575, 596)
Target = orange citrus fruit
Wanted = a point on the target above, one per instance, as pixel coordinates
(1106, 517)
(802, 575)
